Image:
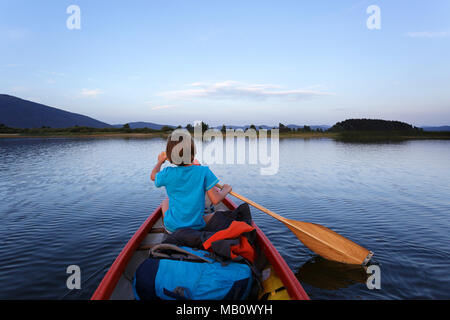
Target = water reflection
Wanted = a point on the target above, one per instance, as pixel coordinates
(79, 201)
(330, 275)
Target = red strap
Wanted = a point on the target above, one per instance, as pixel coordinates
(244, 249)
(235, 230)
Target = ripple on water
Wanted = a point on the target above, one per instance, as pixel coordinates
(78, 201)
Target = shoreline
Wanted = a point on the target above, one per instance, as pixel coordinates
(145, 136)
(284, 135)
(307, 135)
(93, 135)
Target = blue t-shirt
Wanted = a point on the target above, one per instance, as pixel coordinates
(186, 187)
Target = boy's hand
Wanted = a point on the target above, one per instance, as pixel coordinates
(217, 196)
(162, 157)
(226, 188)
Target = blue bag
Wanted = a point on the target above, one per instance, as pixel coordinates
(188, 274)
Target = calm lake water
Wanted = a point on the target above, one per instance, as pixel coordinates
(78, 201)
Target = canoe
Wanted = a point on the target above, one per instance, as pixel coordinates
(279, 282)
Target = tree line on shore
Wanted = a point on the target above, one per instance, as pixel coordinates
(351, 126)
(127, 129)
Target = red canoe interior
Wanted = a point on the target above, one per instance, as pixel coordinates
(110, 280)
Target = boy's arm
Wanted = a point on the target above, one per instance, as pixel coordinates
(217, 196)
(161, 159)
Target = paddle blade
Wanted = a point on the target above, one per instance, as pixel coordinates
(327, 243)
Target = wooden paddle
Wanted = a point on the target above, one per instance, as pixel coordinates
(319, 239)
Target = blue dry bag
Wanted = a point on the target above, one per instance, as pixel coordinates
(188, 274)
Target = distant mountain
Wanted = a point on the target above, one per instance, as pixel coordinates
(141, 125)
(441, 128)
(19, 113)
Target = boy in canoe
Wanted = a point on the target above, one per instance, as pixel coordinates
(186, 184)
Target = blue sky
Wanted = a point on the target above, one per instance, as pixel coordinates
(233, 62)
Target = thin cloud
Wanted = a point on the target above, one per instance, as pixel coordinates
(91, 93)
(14, 33)
(426, 34)
(13, 65)
(158, 107)
(18, 89)
(239, 90)
(53, 73)
(162, 107)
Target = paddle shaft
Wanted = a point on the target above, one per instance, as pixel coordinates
(254, 204)
(257, 206)
(319, 239)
